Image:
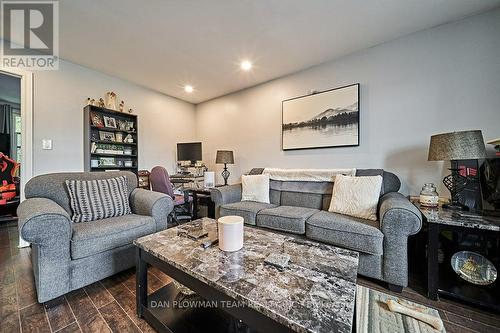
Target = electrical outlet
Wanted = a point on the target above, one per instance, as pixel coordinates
(46, 144)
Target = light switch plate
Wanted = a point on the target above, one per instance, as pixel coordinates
(46, 144)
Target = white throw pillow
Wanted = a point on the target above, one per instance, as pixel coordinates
(255, 188)
(356, 196)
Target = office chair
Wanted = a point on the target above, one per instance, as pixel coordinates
(183, 203)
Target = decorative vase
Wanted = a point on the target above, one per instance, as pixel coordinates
(110, 100)
(429, 196)
(230, 230)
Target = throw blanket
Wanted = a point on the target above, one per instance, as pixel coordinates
(307, 175)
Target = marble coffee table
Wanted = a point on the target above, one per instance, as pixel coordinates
(314, 293)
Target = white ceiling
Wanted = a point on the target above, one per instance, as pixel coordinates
(163, 44)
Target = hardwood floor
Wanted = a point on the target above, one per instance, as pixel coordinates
(109, 305)
(105, 306)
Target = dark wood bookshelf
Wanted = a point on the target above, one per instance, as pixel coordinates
(92, 139)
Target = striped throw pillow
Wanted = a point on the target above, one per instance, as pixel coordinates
(98, 199)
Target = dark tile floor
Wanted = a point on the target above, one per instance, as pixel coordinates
(109, 305)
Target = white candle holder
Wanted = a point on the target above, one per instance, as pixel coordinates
(230, 230)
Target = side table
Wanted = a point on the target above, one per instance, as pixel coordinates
(201, 195)
(452, 232)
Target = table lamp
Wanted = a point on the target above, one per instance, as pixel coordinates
(454, 146)
(225, 157)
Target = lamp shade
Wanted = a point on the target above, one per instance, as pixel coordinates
(224, 156)
(465, 145)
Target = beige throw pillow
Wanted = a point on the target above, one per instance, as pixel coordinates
(255, 188)
(356, 196)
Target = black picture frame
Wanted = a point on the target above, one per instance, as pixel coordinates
(357, 119)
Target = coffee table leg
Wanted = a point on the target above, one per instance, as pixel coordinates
(141, 283)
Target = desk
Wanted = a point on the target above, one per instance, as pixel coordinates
(186, 179)
(450, 232)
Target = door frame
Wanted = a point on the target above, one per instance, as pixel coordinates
(26, 129)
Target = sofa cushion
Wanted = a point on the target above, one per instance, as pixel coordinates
(356, 196)
(53, 185)
(301, 199)
(90, 238)
(246, 209)
(285, 218)
(98, 199)
(255, 188)
(346, 231)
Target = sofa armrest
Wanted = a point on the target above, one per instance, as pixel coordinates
(150, 203)
(399, 218)
(42, 221)
(398, 215)
(49, 228)
(225, 195)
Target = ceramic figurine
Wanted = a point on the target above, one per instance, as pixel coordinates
(88, 101)
(121, 106)
(101, 103)
(128, 139)
(93, 102)
(130, 110)
(110, 99)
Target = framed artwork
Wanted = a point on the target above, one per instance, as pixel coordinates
(107, 136)
(109, 122)
(321, 120)
(96, 119)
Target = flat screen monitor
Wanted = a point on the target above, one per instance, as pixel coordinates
(190, 151)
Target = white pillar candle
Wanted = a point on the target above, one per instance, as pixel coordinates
(230, 233)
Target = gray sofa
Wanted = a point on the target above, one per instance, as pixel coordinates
(301, 208)
(67, 256)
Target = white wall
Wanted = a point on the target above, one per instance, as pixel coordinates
(59, 98)
(434, 81)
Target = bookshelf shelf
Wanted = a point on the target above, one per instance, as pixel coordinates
(101, 138)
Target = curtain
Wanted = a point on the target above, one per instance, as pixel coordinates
(5, 128)
(5, 119)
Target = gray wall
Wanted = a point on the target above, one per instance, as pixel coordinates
(58, 115)
(434, 81)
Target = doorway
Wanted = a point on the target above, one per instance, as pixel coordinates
(10, 146)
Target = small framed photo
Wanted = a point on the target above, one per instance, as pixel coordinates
(107, 161)
(109, 122)
(94, 136)
(96, 119)
(107, 136)
(122, 125)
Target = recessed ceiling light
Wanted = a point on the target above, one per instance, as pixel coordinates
(246, 65)
(188, 88)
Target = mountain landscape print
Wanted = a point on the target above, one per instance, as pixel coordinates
(326, 119)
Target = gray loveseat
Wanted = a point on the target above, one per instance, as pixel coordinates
(301, 208)
(66, 255)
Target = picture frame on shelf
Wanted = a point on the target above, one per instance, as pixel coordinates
(107, 161)
(96, 119)
(94, 136)
(119, 137)
(130, 126)
(122, 125)
(109, 122)
(107, 136)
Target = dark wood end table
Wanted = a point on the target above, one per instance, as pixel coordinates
(450, 232)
